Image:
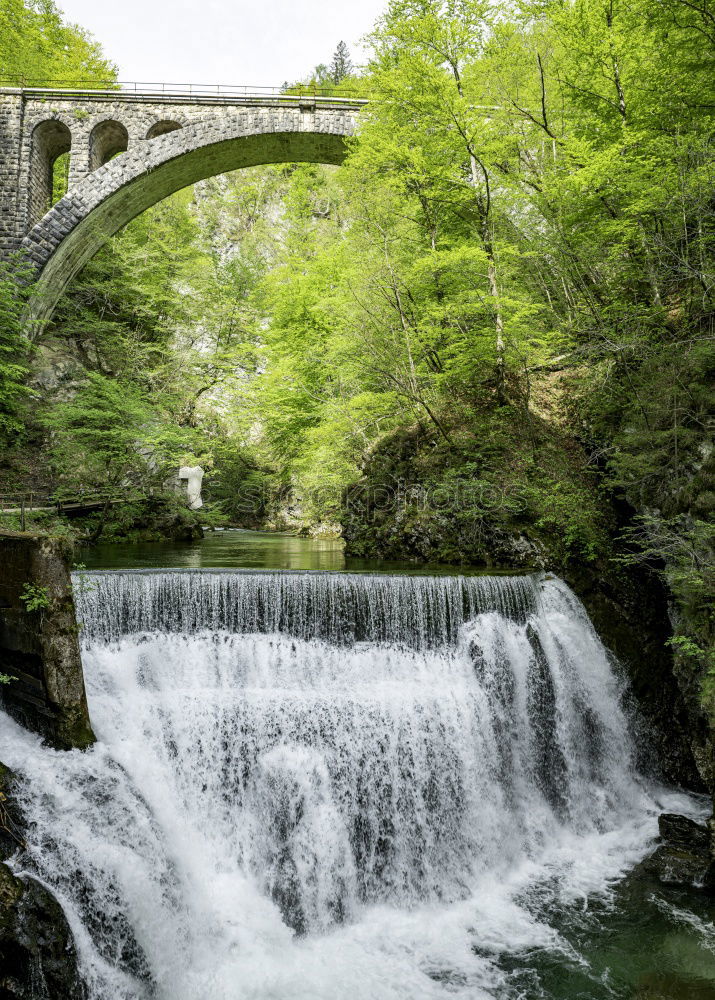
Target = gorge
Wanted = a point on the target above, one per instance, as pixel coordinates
(357, 482)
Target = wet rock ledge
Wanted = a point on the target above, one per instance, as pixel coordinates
(686, 855)
(39, 645)
(39, 651)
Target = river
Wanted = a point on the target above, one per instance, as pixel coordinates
(352, 785)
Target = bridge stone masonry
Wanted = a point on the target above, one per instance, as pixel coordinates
(166, 141)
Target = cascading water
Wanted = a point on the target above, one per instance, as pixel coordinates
(330, 785)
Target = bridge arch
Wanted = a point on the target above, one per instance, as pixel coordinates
(50, 139)
(162, 127)
(106, 139)
(74, 229)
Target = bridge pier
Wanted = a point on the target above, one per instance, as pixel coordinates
(12, 223)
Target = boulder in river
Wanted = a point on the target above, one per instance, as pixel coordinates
(684, 857)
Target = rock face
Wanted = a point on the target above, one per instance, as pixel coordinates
(38, 957)
(683, 832)
(39, 649)
(37, 952)
(629, 609)
(686, 856)
(39, 645)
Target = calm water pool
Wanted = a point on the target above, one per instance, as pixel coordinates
(236, 548)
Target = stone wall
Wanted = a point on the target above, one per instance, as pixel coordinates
(40, 647)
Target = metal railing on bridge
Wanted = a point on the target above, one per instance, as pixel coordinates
(223, 93)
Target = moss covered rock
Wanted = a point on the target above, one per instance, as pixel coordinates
(39, 645)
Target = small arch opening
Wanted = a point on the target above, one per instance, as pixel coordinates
(107, 139)
(49, 166)
(161, 128)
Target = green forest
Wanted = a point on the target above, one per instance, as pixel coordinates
(488, 337)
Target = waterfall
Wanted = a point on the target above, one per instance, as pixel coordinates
(331, 786)
(338, 607)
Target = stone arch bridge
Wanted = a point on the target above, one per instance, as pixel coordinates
(166, 141)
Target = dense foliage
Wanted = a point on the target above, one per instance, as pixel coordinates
(498, 313)
(15, 353)
(37, 45)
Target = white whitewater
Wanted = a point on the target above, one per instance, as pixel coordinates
(330, 786)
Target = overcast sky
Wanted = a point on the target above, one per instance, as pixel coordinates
(244, 42)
